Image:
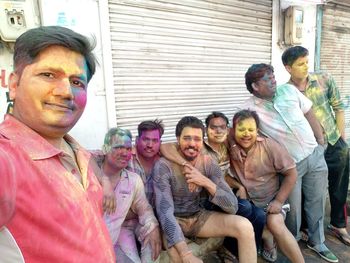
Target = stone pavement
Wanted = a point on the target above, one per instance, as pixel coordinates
(339, 249)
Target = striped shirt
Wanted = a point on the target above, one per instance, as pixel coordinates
(174, 199)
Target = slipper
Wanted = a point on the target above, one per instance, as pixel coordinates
(340, 236)
(225, 255)
(270, 255)
(304, 235)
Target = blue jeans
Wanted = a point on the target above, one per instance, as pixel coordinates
(256, 216)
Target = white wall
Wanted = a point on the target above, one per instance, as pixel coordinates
(83, 16)
(5, 70)
(309, 37)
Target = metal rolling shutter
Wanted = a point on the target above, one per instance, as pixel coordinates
(335, 49)
(174, 58)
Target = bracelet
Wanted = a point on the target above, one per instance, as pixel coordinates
(186, 253)
(233, 146)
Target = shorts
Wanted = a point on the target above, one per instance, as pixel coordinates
(193, 224)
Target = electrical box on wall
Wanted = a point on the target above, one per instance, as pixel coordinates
(16, 17)
(293, 25)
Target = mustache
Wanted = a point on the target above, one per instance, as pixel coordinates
(148, 148)
(65, 103)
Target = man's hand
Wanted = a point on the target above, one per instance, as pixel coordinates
(154, 240)
(194, 176)
(237, 153)
(321, 140)
(190, 258)
(242, 193)
(109, 200)
(191, 186)
(274, 207)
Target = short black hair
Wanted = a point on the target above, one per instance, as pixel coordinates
(291, 54)
(107, 144)
(151, 126)
(216, 114)
(243, 115)
(189, 121)
(32, 42)
(255, 73)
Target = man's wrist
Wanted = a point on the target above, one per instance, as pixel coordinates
(186, 253)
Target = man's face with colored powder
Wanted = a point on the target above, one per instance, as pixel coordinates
(246, 133)
(217, 130)
(300, 68)
(190, 142)
(266, 87)
(50, 95)
(120, 152)
(148, 144)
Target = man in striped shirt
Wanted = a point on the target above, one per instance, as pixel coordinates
(178, 208)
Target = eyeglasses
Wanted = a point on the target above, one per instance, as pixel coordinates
(218, 127)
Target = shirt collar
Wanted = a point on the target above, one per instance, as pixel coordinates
(35, 145)
(258, 100)
(310, 78)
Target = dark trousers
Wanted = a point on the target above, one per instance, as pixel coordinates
(337, 159)
(256, 216)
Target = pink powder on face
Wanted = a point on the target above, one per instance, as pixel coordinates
(80, 97)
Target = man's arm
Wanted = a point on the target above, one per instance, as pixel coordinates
(315, 126)
(149, 231)
(8, 188)
(109, 201)
(290, 178)
(340, 120)
(170, 152)
(165, 211)
(336, 103)
(164, 203)
(220, 192)
(234, 184)
(196, 177)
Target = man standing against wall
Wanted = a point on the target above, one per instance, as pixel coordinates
(287, 117)
(321, 89)
(50, 198)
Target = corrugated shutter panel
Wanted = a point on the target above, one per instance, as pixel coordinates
(174, 58)
(335, 50)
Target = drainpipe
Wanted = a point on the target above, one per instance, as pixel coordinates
(319, 16)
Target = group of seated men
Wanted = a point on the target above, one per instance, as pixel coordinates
(234, 185)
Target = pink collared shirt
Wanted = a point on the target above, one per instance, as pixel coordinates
(50, 214)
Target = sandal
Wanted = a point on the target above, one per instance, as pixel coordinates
(304, 235)
(341, 236)
(225, 255)
(270, 255)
